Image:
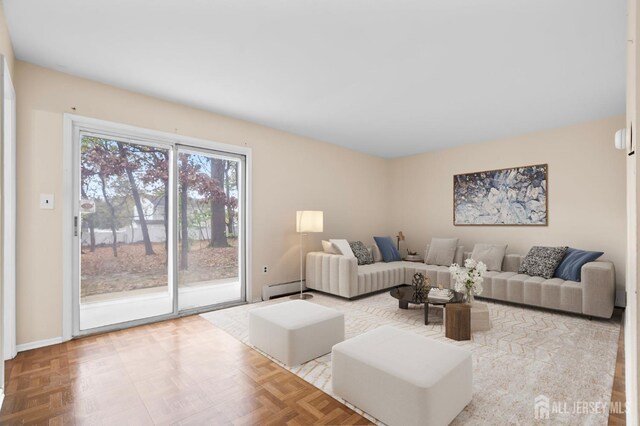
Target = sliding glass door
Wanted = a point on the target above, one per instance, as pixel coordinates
(209, 228)
(159, 229)
(124, 226)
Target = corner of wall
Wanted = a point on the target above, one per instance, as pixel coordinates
(6, 46)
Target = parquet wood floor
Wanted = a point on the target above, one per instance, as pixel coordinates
(183, 372)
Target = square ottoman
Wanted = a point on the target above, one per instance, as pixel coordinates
(295, 332)
(403, 378)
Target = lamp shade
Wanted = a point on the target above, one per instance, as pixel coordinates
(309, 221)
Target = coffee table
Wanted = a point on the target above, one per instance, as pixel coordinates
(406, 295)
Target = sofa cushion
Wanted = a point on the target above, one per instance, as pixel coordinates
(542, 261)
(570, 267)
(441, 251)
(511, 262)
(515, 287)
(489, 254)
(552, 293)
(436, 274)
(499, 285)
(571, 297)
(379, 276)
(361, 252)
(458, 258)
(343, 246)
(389, 251)
(377, 255)
(533, 291)
(329, 248)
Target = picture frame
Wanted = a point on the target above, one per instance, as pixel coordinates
(515, 196)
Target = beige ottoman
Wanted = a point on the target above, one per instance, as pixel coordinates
(480, 317)
(402, 378)
(295, 332)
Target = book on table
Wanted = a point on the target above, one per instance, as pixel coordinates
(440, 295)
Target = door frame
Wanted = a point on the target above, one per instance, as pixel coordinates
(9, 217)
(72, 124)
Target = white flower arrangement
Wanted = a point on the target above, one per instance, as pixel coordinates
(469, 279)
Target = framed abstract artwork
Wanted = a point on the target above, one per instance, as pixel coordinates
(515, 196)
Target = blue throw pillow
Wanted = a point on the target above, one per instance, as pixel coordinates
(571, 266)
(389, 251)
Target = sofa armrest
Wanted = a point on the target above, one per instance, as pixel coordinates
(332, 273)
(598, 289)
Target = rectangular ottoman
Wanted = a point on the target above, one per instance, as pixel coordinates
(402, 378)
(295, 332)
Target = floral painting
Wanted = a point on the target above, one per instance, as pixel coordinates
(516, 196)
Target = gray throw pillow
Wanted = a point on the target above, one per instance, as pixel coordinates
(489, 254)
(361, 252)
(441, 251)
(542, 261)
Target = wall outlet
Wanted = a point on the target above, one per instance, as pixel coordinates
(46, 201)
(265, 269)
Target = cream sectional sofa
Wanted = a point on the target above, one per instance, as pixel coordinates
(341, 275)
(593, 296)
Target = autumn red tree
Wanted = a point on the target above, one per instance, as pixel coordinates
(201, 179)
(128, 155)
(100, 159)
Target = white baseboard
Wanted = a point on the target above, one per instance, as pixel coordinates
(1, 397)
(39, 344)
(275, 290)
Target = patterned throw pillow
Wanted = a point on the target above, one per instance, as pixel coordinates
(542, 261)
(362, 253)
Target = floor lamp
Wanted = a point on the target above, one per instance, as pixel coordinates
(306, 221)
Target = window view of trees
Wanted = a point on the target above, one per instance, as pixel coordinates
(124, 242)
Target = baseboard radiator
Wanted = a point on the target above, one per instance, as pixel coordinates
(282, 289)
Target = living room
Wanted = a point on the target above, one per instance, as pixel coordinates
(372, 139)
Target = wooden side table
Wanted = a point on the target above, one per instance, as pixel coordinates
(458, 321)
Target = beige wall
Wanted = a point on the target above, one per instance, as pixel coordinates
(289, 173)
(5, 41)
(586, 191)
(361, 195)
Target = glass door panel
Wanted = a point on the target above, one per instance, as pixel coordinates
(124, 225)
(209, 228)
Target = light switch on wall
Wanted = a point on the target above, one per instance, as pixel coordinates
(46, 201)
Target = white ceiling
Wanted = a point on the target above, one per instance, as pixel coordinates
(386, 77)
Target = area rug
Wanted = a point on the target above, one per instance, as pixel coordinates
(564, 361)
